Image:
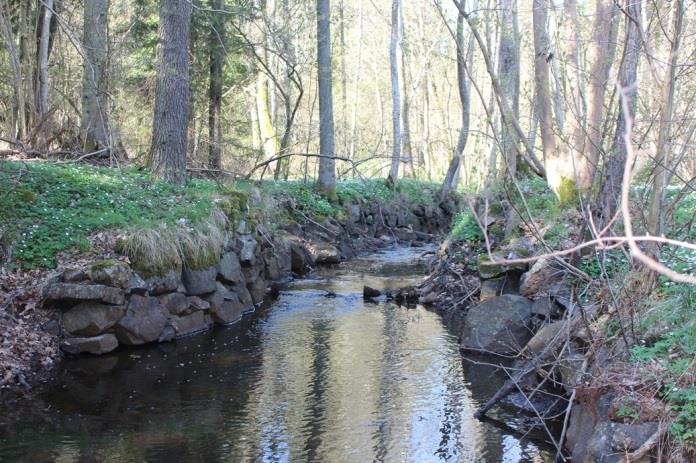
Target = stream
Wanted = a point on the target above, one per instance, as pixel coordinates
(305, 378)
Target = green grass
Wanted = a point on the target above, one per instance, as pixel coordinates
(49, 208)
(46, 208)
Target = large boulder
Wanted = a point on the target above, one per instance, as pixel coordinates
(323, 253)
(144, 321)
(592, 437)
(257, 289)
(500, 325)
(229, 270)
(246, 245)
(162, 284)
(111, 273)
(74, 292)
(301, 260)
(493, 268)
(175, 303)
(97, 345)
(190, 324)
(136, 285)
(543, 337)
(92, 318)
(196, 304)
(74, 275)
(199, 282)
(225, 306)
(541, 277)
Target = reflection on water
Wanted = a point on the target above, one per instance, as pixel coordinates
(307, 378)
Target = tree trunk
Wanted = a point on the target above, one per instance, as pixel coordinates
(172, 103)
(396, 93)
(509, 75)
(41, 104)
(555, 167)
(326, 182)
(216, 44)
(356, 79)
(628, 79)
(664, 144)
(464, 63)
(19, 128)
(406, 146)
(269, 140)
(602, 53)
(95, 102)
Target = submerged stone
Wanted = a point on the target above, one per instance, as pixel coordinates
(499, 325)
(98, 345)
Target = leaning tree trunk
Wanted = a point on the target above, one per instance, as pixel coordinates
(610, 191)
(326, 182)
(464, 63)
(95, 120)
(216, 44)
(172, 103)
(396, 94)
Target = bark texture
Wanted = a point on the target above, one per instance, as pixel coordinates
(628, 79)
(172, 102)
(326, 182)
(465, 55)
(217, 58)
(95, 102)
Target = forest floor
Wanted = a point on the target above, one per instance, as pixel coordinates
(55, 216)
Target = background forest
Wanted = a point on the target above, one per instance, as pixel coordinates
(254, 95)
(568, 121)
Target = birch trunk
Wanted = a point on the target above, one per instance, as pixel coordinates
(396, 94)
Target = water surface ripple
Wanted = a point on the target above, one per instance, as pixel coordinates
(306, 378)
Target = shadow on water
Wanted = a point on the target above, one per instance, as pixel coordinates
(305, 378)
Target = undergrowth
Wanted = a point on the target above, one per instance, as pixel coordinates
(669, 345)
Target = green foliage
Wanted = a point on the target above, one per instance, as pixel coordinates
(54, 208)
(368, 191)
(674, 350)
(613, 262)
(683, 403)
(466, 228)
(628, 409)
(305, 197)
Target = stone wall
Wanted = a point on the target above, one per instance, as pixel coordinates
(108, 304)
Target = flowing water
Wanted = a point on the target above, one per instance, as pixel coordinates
(305, 378)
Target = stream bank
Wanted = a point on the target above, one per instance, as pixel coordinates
(144, 289)
(524, 317)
